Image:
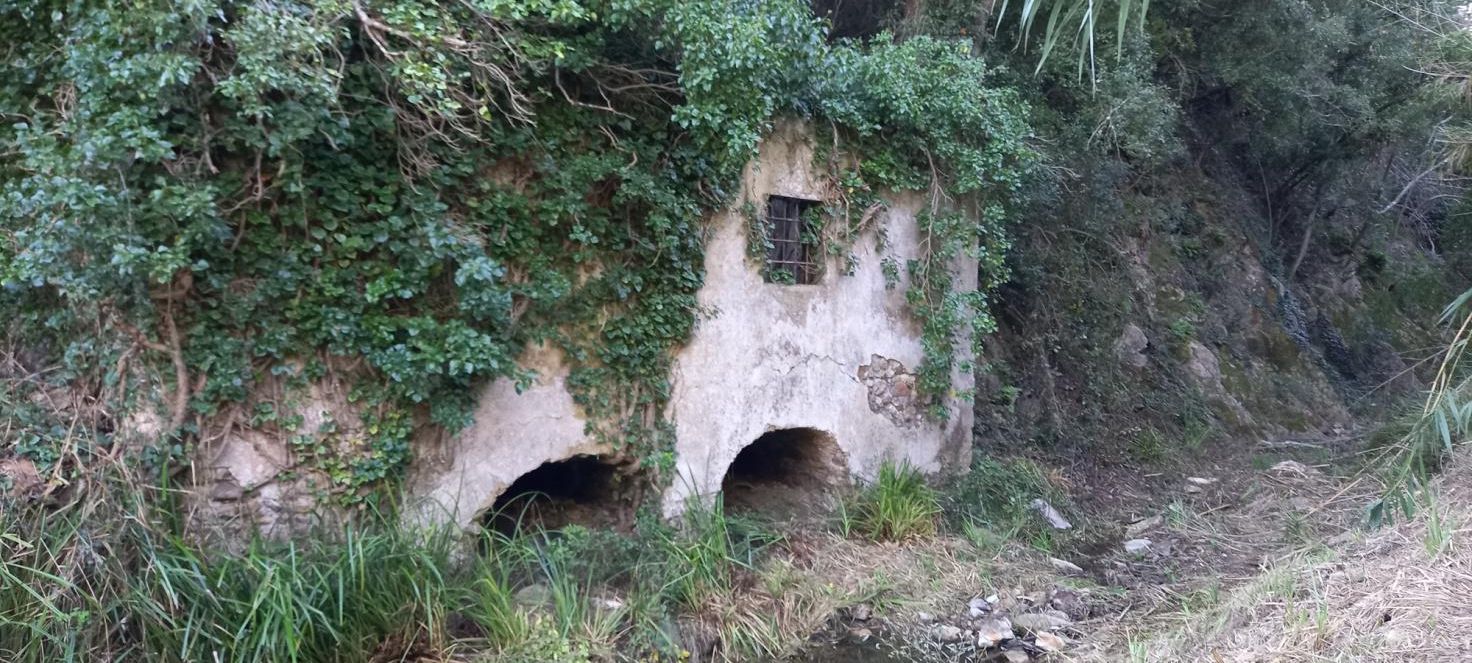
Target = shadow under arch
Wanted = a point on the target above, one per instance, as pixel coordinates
(785, 473)
(588, 490)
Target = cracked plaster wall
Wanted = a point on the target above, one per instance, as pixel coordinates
(832, 356)
(838, 356)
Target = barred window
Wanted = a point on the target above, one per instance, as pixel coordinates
(792, 254)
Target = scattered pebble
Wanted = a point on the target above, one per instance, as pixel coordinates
(1137, 546)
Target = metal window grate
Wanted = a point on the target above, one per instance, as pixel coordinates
(791, 257)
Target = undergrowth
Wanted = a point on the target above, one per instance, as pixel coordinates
(992, 504)
(106, 575)
(109, 578)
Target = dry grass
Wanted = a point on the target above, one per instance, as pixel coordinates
(1396, 594)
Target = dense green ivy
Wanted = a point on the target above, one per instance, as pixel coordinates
(412, 192)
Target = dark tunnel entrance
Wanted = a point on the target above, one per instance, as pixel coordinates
(582, 490)
(785, 474)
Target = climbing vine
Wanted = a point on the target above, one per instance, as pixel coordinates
(414, 192)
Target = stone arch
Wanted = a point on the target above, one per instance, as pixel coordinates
(785, 472)
(591, 490)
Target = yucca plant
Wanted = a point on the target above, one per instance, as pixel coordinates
(1074, 26)
(1429, 435)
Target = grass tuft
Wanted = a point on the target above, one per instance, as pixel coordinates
(898, 505)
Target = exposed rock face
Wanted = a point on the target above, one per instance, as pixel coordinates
(1203, 365)
(1130, 348)
(892, 391)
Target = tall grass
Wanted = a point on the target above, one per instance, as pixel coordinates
(991, 504)
(107, 577)
(898, 505)
(104, 582)
(699, 559)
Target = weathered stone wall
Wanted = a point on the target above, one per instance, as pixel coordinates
(248, 472)
(774, 356)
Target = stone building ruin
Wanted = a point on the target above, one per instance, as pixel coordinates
(802, 374)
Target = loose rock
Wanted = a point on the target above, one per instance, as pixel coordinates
(1059, 617)
(1292, 467)
(1049, 642)
(1039, 622)
(1137, 546)
(860, 634)
(924, 617)
(1200, 481)
(977, 608)
(1131, 345)
(1016, 656)
(1064, 565)
(1050, 514)
(860, 612)
(1069, 602)
(534, 596)
(992, 632)
(948, 633)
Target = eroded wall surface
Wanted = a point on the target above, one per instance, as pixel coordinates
(838, 356)
(513, 433)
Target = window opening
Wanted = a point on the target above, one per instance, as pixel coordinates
(792, 251)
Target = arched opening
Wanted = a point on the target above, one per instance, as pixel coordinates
(582, 490)
(787, 473)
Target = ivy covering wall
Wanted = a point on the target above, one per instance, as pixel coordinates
(223, 193)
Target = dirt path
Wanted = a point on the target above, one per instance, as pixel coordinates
(1209, 555)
